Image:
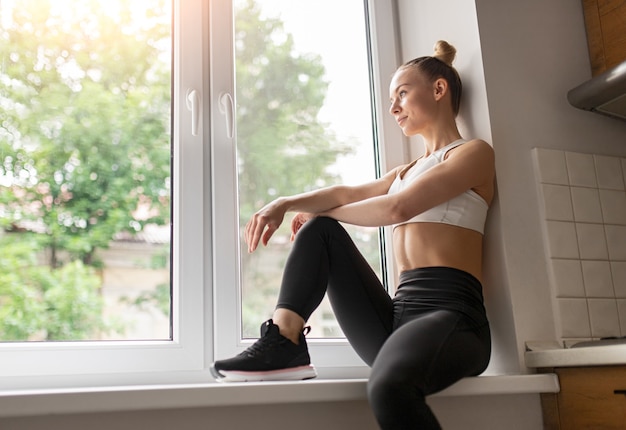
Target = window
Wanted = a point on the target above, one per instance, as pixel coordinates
(205, 153)
(303, 122)
(303, 104)
(86, 107)
(85, 170)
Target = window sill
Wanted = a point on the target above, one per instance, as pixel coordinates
(110, 399)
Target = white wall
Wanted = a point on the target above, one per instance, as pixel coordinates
(534, 52)
(422, 23)
(517, 61)
(457, 413)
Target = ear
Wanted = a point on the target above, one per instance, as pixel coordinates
(440, 87)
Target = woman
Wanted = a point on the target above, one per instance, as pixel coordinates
(434, 330)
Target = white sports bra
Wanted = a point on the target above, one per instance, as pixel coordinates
(467, 210)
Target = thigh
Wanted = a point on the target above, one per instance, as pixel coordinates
(433, 351)
(361, 304)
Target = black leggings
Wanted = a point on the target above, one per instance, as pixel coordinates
(431, 334)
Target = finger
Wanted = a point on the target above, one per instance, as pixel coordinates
(295, 224)
(268, 234)
(250, 232)
(246, 232)
(256, 230)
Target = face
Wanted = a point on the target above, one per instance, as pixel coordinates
(413, 100)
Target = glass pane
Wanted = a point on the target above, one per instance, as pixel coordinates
(304, 121)
(85, 169)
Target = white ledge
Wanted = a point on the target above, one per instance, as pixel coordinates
(110, 399)
(612, 355)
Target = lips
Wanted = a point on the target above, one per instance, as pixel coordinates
(401, 120)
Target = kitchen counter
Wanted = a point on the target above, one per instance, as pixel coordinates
(555, 354)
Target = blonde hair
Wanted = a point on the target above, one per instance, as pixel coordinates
(445, 52)
(439, 65)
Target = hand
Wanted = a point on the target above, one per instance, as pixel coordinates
(263, 224)
(298, 221)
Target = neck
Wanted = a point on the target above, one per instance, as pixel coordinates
(439, 139)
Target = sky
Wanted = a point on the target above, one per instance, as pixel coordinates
(336, 31)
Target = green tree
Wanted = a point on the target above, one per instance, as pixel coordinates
(84, 140)
(84, 106)
(283, 147)
(41, 303)
(84, 144)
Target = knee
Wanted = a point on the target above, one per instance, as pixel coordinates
(320, 224)
(393, 391)
(399, 404)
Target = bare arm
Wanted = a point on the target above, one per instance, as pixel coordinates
(470, 166)
(266, 221)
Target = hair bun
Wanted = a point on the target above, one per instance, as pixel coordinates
(444, 52)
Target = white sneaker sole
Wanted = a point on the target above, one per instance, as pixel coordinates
(291, 374)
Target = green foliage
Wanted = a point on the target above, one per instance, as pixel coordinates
(73, 304)
(41, 303)
(86, 140)
(21, 306)
(283, 147)
(84, 143)
(159, 298)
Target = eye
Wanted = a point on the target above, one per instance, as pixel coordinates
(401, 94)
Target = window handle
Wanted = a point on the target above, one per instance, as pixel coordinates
(227, 107)
(193, 104)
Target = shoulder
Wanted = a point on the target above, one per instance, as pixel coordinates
(475, 145)
(476, 149)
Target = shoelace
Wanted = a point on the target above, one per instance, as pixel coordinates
(262, 345)
(268, 342)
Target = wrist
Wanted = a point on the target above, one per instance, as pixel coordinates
(284, 204)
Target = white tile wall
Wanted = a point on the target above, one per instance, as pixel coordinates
(618, 272)
(568, 278)
(583, 200)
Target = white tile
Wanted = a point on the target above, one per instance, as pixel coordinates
(574, 317)
(613, 204)
(586, 204)
(567, 278)
(562, 241)
(609, 172)
(618, 272)
(621, 313)
(592, 243)
(598, 279)
(603, 317)
(557, 202)
(551, 168)
(581, 169)
(616, 242)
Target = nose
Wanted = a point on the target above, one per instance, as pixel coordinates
(394, 108)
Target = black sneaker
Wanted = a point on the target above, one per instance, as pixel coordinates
(271, 358)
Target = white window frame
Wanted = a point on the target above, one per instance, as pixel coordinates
(67, 364)
(205, 242)
(332, 357)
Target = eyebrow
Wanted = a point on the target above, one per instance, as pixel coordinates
(395, 91)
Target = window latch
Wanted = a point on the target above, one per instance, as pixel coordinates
(227, 107)
(193, 104)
